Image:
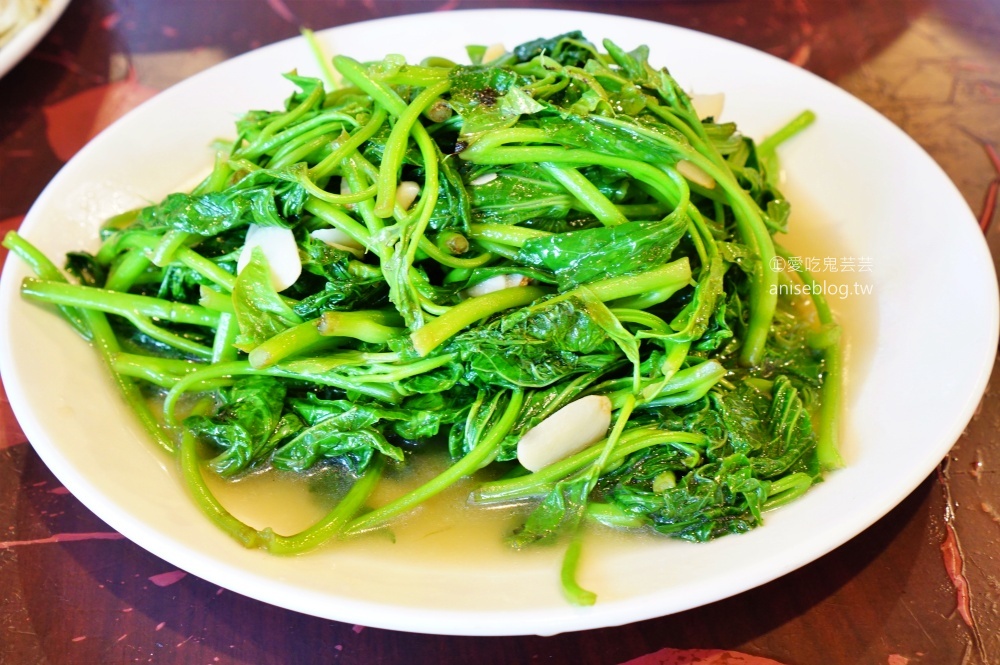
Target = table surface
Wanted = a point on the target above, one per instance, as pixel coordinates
(891, 595)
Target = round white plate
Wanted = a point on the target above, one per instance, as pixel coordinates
(921, 341)
(25, 39)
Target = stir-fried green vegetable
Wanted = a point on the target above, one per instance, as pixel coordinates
(439, 252)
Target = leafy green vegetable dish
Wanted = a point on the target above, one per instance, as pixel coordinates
(549, 263)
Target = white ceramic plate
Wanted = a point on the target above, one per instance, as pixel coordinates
(921, 343)
(25, 39)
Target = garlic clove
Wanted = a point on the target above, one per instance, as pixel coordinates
(695, 174)
(493, 51)
(280, 250)
(483, 179)
(514, 279)
(495, 283)
(406, 193)
(569, 430)
(337, 238)
(708, 106)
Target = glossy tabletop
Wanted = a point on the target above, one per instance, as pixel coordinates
(922, 585)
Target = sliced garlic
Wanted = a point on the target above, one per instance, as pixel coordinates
(280, 250)
(406, 193)
(708, 106)
(569, 430)
(493, 51)
(495, 283)
(695, 174)
(483, 179)
(336, 238)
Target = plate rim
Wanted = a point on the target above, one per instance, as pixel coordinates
(30, 35)
(433, 620)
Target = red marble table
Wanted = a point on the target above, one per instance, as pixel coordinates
(920, 586)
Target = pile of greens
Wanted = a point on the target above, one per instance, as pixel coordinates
(637, 239)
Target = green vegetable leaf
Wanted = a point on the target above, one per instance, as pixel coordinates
(489, 98)
(535, 347)
(244, 426)
(259, 198)
(569, 48)
(354, 448)
(710, 501)
(348, 435)
(584, 256)
(558, 512)
(260, 311)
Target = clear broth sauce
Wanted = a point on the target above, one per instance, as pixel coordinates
(812, 235)
(445, 529)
